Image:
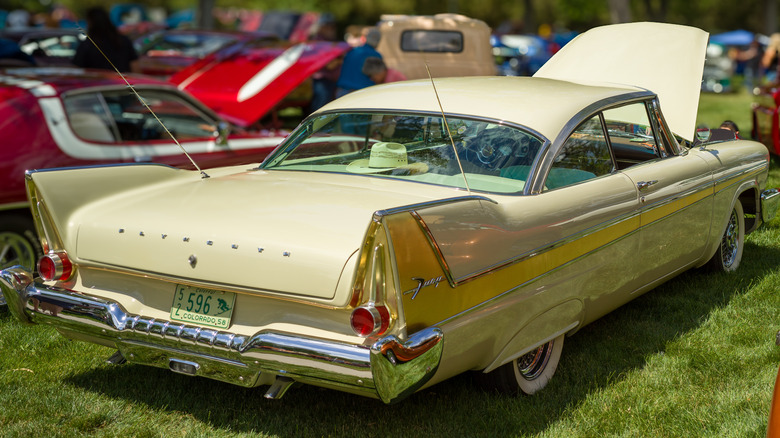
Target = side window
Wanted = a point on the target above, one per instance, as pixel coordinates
(584, 156)
(88, 118)
(631, 135)
(134, 121)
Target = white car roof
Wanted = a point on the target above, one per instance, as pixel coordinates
(544, 105)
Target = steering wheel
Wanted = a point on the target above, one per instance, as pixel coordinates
(492, 147)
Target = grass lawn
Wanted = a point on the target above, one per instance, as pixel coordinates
(694, 357)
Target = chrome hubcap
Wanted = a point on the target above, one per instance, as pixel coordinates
(729, 246)
(15, 250)
(533, 363)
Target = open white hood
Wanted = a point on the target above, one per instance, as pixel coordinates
(667, 59)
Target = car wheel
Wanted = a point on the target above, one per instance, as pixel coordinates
(729, 252)
(528, 373)
(18, 242)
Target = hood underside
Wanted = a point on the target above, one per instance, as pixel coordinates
(243, 84)
(666, 59)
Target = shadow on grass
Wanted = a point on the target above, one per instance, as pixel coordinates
(599, 355)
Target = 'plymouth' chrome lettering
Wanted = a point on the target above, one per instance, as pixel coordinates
(421, 283)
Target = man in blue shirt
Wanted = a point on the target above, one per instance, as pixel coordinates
(352, 77)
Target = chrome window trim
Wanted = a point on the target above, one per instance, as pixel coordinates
(535, 184)
(668, 136)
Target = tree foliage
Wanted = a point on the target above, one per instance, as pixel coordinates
(523, 15)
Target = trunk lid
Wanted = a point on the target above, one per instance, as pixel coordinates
(280, 232)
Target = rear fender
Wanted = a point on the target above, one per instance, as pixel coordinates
(561, 319)
(747, 189)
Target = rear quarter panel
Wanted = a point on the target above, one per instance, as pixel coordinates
(501, 279)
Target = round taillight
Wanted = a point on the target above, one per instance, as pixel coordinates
(55, 266)
(367, 320)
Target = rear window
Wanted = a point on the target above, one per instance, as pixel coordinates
(432, 41)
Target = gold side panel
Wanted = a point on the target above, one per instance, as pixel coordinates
(429, 299)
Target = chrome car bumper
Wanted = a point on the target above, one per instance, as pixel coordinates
(389, 369)
(769, 201)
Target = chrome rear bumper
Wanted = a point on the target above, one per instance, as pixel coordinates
(769, 201)
(389, 369)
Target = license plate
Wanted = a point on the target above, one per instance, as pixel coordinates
(198, 305)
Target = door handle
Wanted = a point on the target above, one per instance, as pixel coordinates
(641, 185)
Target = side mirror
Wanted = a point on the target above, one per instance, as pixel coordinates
(222, 133)
(703, 135)
(717, 135)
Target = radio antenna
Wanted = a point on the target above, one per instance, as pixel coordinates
(143, 102)
(449, 134)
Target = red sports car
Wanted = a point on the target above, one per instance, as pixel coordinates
(244, 82)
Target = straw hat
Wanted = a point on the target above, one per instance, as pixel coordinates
(384, 156)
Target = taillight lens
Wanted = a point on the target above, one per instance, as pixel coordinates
(55, 266)
(368, 320)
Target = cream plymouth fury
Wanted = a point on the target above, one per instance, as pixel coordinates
(408, 232)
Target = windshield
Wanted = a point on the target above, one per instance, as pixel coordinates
(495, 157)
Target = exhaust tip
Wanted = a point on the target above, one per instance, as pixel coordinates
(116, 358)
(183, 367)
(279, 387)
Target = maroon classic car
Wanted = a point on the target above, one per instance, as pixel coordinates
(61, 117)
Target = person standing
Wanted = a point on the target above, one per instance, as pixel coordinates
(117, 49)
(352, 77)
(770, 58)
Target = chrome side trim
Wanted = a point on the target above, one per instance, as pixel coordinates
(413, 207)
(96, 166)
(489, 302)
(744, 172)
(436, 249)
(390, 369)
(769, 201)
(672, 199)
(568, 239)
(557, 244)
(522, 257)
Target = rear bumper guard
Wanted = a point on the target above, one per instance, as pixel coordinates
(769, 201)
(390, 369)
